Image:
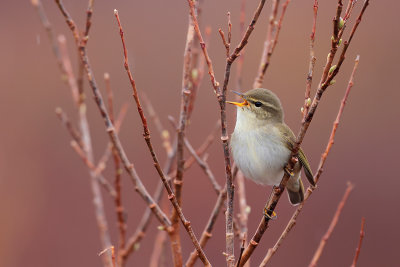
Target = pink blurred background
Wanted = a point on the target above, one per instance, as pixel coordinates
(47, 216)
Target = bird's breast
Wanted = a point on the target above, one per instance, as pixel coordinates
(259, 153)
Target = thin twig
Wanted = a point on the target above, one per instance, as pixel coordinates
(68, 71)
(164, 134)
(206, 235)
(68, 125)
(311, 65)
(332, 226)
(119, 208)
(86, 141)
(207, 232)
(358, 250)
(334, 44)
(239, 65)
(103, 181)
(139, 187)
(159, 247)
(324, 156)
(178, 181)
(108, 150)
(271, 40)
(147, 138)
(277, 191)
(50, 34)
(204, 146)
(204, 166)
(221, 96)
(134, 241)
(244, 211)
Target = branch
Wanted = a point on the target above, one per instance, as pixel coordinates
(362, 233)
(171, 195)
(76, 136)
(119, 208)
(334, 221)
(324, 156)
(139, 187)
(178, 181)
(86, 138)
(239, 65)
(277, 191)
(271, 40)
(311, 65)
(206, 235)
(244, 208)
(204, 166)
(50, 34)
(103, 181)
(221, 96)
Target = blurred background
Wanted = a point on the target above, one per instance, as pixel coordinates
(47, 216)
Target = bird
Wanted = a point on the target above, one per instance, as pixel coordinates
(261, 143)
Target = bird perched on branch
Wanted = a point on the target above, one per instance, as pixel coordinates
(262, 143)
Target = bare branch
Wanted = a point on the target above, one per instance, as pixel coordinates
(311, 65)
(362, 233)
(324, 156)
(334, 221)
(171, 195)
(271, 40)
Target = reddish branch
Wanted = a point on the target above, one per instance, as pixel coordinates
(134, 242)
(311, 65)
(207, 232)
(204, 146)
(103, 181)
(244, 209)
(334, 221)
(362, 233)
(63, 61)
(204, 166)
(75, 134)
(50, 34)
(221, 96)
(271, 40)
(119, 209)
(171, 195)
(108, 151)
(278, 190)
(178, 181)
(111, 129)
(164, 134)
(317, 175)
(239, 65)
(81, 70)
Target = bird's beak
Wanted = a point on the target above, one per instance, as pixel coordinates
(244, 103)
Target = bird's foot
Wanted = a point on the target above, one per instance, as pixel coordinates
(270, 214)
(288, 171)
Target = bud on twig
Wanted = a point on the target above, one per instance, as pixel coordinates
(341, 23)
(332, 69)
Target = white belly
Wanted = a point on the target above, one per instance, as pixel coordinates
(259, 154)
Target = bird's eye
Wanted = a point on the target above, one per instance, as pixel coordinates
(258, 104)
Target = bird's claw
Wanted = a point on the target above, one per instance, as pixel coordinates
(267, 216)
(288, 171)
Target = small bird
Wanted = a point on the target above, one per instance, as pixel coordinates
(261, 143)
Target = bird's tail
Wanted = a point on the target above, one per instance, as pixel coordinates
(295, 191)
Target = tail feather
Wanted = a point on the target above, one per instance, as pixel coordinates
(296, 196)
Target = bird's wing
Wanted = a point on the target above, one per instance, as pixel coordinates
(307, 170)
(289, 139)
